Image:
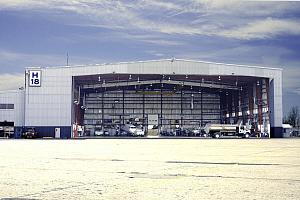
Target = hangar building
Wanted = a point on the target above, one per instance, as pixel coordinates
(162, 93)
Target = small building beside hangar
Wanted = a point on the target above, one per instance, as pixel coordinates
(12, 112)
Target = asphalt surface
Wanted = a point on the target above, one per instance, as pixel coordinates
(150, 169)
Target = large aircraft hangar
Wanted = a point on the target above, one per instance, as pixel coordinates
(157, 95)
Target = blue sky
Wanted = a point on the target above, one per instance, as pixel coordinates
(40, 33)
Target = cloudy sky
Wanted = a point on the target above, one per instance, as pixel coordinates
(40, 33)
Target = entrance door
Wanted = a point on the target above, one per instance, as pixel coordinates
(57, 132)
(153, 125)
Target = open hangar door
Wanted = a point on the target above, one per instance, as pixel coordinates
(105, 104)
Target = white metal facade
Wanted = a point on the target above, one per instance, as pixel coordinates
(16, 115)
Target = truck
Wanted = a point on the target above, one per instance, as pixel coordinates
(220, 130)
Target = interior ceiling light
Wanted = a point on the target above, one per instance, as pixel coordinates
(219, 78)
(257, 83)
(138, 79)
(99, 78)
(169, 79)
(186, 76)
(130, 77)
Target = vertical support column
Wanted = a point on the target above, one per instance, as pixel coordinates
(268, 104)
(181, 109)
(241, 103)
(275, 94)
(201, 100)
(222, 113)
(250, 101)
(161, 109)
(102, 108)
(123, 106)
(144, 121)
(259, 105)
(232, 108)
(236, 107)
(227, 120)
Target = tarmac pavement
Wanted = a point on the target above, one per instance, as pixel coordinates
(150, 169)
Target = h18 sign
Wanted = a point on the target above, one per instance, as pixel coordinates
(35, 78)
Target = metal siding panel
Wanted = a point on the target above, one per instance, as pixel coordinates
(43, 106)
(17, 114)
(275, 94)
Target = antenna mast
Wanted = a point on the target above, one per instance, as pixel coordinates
(67, 59)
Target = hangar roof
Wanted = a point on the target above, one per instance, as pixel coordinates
(166, 66)
(160, 60)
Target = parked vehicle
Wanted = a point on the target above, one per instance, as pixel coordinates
(29, 132)
(219, 130)
(133, 130)
(184, 132)
(99, 132)
(168, 132)
(7, 131)
(199, 132)
(295, 133)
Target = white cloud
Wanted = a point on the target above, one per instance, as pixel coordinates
(217, 4)
(264, 29)
(207, 17)
(30, 60)
(153, 39)
(35, 59)
(11, 81)
(160, 4)
(291, 79)
(297, 91)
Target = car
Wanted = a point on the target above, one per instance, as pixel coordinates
(133, 130)
(99, 132)
(29, 132)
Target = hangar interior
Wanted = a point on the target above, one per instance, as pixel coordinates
(164, 102)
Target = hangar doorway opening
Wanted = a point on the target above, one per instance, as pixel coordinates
(164, 104)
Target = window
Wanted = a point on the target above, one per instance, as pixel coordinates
(6, 106)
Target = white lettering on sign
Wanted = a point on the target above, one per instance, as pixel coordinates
(34, 78)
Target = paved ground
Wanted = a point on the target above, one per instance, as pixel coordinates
(150, 169)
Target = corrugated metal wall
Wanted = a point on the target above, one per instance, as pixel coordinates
(16, 114)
